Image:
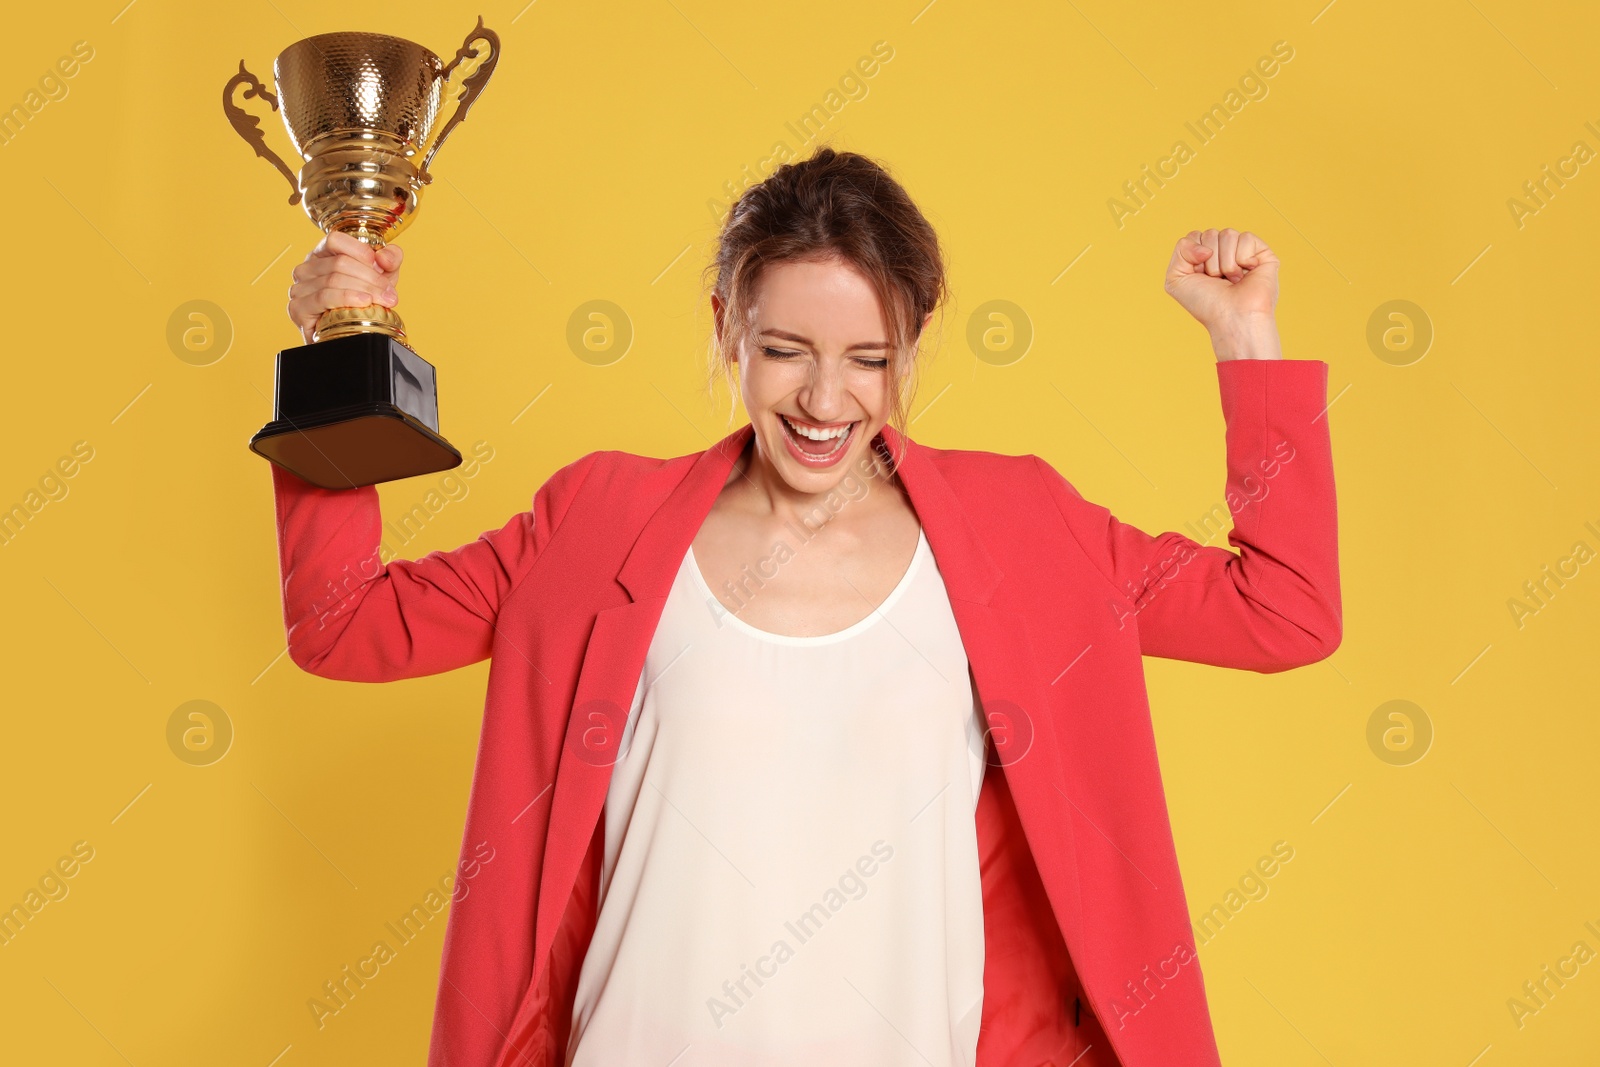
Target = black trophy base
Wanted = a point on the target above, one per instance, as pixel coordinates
(355, 411)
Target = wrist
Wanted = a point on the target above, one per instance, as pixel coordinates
(1253, 336)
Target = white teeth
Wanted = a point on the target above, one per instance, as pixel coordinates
(816, 435)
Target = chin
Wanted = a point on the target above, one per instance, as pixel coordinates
(804, 478)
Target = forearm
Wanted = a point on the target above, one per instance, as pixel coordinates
(349, 615)
(1276, 603)
(1273, 605)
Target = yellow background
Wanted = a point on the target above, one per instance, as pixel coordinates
(1378, 166)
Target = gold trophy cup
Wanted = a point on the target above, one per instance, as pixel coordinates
(357, 406)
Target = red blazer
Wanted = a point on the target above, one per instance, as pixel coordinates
(1087, 932)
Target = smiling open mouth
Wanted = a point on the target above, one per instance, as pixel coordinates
(817, 447)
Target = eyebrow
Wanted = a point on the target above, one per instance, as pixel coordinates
(874, 346)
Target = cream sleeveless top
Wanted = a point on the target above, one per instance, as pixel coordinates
(791, 864)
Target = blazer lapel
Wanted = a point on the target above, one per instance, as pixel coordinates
(612, 662)
(1004, 662)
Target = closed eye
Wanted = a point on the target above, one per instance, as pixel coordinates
(784, 353)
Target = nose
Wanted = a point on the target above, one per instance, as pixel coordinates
(823, 396)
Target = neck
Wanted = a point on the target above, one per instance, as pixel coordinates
(756, 479)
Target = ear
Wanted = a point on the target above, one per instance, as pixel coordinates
(716, 312)
(925, 320)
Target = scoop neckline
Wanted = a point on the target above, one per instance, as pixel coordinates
(852, 630)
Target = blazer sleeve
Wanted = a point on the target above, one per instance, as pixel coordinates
(1272, 605)
(350, 617)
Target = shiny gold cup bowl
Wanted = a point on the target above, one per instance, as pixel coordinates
(363, 112)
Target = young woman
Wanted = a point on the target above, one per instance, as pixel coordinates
(824, 745)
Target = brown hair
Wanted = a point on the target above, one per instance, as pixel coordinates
(835, 204)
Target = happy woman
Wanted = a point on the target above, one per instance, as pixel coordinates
(823, 745)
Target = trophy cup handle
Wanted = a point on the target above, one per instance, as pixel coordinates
(249, 127)
(471, 86)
